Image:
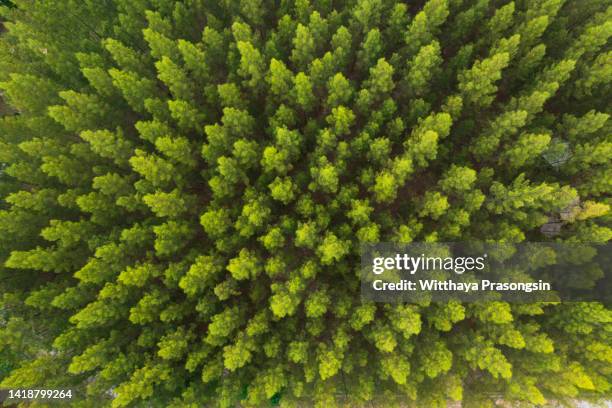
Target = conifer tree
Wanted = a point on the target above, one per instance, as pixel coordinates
(184, 188)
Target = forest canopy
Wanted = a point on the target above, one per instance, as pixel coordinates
(185, 186)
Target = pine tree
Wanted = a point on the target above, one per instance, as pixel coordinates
(185, 187)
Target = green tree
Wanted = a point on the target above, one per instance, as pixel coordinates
(185, 186)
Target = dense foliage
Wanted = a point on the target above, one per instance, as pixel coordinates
(184, 187)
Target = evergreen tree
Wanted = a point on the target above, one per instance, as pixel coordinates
(184, 188)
